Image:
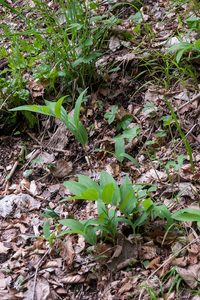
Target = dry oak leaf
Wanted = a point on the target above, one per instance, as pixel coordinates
(61, 168)
(191, 275)
(154, 263)
(3, 249)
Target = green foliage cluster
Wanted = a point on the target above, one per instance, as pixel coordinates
(129, 200)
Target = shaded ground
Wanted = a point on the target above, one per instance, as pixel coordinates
(140, 266)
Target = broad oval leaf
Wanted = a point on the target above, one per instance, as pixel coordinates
(107, 193)
(72, 224)
(77, 108)
(106, 178)
(58, 106)
(46, 229)
(75, 187)
(90, 194)
(130, 158)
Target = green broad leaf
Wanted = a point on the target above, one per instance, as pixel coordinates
(105, 179)
(197, 44)
(89, 183)
(89, 42)
(147, 203)
(179, 46)
(107, 193)
(119, 148)
(142, 194)
(126, 120)
(137, 28)
(51, 106)
(90, 235)
(45, 109)
(91, 222)
(73, 225)
(166, 119)
(143, 217)
(152, 189)
(102, 210)
(36, 161)
(161, 134)
(90, 194)
(75, 187)
(125, 188)
(128, 199)
(31, 119)
(179, 55)
(170, 164)
(110, 115)
(51, 212)
(73, 198)
(76, 25)
(93, 6)
(78, 107)
(128, 134)
(27, 173)
(187, 214)
(69, 231)
(164, 213)
(113, 221)
(80, 133)
(34, 108)
(130, 158)
(58, 107)
(124, 220)
(150, 143)
(145, 263)
(148, 106)
(51, 238)
(125, 202)
(46, 229)
(180, 160)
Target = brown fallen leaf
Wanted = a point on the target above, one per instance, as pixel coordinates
(191, 275)
(42, 289)
(153, 264)
(61, 168)
(3, 249)
(123, 254)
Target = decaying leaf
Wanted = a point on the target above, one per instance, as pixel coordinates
(61, 168)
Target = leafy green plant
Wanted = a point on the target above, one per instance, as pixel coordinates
(193, 23)
(125, 198)
(174, 165)
(181, 47)
(121, 124)
(68, 45)
(120, 147)
(47, 235)
(58, 111)
(29, 172)
(110, 115)
(187, 215)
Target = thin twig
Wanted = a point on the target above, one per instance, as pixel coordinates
(15, 165)
(36, 271)
(185, 136)
(142, 291)
(40, 143)
(190, 101)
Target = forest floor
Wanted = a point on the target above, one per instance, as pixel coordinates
(157, 262)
